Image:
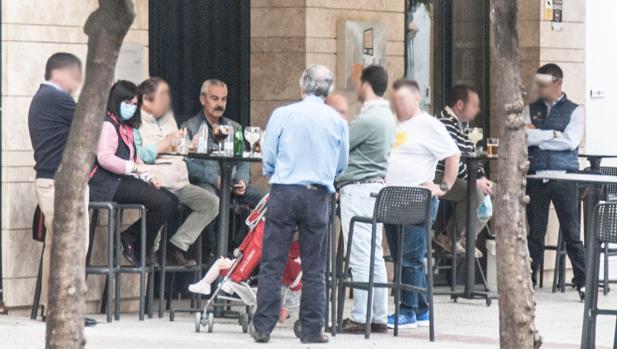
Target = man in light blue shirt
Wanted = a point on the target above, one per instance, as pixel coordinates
(305, 147)
(306, 143)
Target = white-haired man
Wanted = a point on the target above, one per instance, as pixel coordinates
(207, 174)
(305, 148)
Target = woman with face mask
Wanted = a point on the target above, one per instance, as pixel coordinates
(119, 175)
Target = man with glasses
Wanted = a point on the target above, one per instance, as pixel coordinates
(555, 127)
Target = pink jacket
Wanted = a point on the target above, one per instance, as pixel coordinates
(108, 145)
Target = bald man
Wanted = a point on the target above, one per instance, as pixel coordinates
(339, 103)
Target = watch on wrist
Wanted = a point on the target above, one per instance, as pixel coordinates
(444, 187)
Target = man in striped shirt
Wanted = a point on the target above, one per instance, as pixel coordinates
(462, 106)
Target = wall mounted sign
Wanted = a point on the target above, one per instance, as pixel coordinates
(359, 44)
(553, 11)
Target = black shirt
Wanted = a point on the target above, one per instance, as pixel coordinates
(49, 121)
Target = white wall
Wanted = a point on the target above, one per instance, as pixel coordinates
(601, 75)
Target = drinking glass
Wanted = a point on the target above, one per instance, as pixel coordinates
(252, 134)
(492, 145)
(475, 135)
(220, 133)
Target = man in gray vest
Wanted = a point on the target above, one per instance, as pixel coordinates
(555, 126)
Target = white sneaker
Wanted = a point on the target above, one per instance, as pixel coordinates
(200, 287)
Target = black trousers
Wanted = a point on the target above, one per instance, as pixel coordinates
(160, 205)
(289, 207)
(564, 196)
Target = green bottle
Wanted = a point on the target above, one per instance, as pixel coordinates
(238, 143)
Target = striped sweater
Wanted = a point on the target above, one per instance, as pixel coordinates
(458, 132)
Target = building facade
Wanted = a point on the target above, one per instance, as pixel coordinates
(445, 43)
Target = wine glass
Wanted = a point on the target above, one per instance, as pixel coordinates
(475, 135)
(252, 134)
(220, 133)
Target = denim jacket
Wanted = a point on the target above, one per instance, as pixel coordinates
(208, 172)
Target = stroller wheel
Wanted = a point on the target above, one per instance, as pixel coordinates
(198, 322)
(298, 328)
(244, 322)
(210, 322)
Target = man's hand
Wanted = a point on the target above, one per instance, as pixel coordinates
(155, 182)
(434, 188)
(240, 188)
(530, 126)
(165, 145)
(195, 141)
(485, 185)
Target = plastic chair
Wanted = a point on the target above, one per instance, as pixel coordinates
(604, 232)
(397, 206)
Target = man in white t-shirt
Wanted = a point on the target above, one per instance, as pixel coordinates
(421, 142)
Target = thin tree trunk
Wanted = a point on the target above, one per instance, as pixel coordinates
(516, 296)
(106, 27)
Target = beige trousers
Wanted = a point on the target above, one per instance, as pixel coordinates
(44, 188)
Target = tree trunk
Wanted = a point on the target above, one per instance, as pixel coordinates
(517, 328)
(106, 28)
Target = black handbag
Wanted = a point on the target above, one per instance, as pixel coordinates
(38, 225)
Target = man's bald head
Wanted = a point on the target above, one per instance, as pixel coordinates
(339, 103)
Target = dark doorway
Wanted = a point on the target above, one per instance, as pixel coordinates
(195, 40)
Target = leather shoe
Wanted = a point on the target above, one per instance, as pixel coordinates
(350, 326)
(175, 256)
(379, 328)
(319, 339)
(257, 336)
(128, 250)
(89, 322)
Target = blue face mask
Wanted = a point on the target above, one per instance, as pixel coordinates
(127, 110)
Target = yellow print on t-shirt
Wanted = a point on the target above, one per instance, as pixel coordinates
(399, 139)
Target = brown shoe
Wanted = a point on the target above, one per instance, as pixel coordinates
(320, 339)
(379, 328)
(350, 326)
(175, 256)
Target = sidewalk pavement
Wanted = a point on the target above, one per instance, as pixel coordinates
(463, 325)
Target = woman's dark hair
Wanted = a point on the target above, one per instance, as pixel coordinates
(122, 91)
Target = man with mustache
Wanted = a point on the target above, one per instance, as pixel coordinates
(207, 174)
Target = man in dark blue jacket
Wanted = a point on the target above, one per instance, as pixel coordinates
(555, 127)
(49, 121)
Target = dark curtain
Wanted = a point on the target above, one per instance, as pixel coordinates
(195, 40)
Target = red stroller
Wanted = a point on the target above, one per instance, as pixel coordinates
(248, 256)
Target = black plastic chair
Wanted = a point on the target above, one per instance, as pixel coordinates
(605, 232)
(396, 206)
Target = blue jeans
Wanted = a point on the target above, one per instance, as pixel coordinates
(292, 206)
(414, 252)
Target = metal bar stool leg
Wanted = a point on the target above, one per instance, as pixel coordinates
(429, 263)
(118, 263)
(398, 277)
(110, 263)
(371, 279)
(345, 273)
(606, 281)
(142, 271)
(163, 270)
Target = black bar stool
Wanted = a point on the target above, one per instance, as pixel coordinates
(605, 232)
(110, 269)
(559, 273)
(145, 272)
(197, 269)
(397, 206)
